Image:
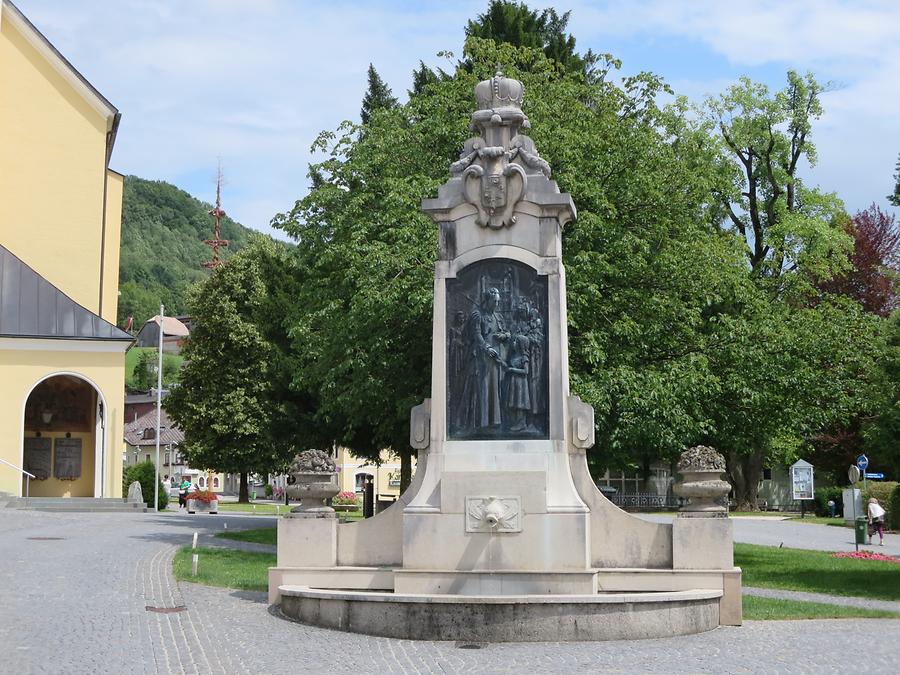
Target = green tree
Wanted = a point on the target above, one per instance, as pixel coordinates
(881, 432)
(366, 254)
(232, 403)
(895, 198)
(516, 24)
(378, 96)
(791, 232)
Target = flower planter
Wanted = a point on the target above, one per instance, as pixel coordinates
(194, 505)
(312, 489)
(701, 468)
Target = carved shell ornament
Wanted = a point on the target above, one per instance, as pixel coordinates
(495, 166)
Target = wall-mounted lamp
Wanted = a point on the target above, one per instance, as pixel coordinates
(46, 416)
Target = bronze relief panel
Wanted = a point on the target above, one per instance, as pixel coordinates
(497, 372)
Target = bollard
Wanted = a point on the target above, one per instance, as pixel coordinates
(195, 541)
(278, 509)
(254, 508)
(194, 559)
(226, 526)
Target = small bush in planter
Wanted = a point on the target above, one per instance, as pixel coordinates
(345, 498)
(269, 490)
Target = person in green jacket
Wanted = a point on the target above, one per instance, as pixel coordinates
(183, 490)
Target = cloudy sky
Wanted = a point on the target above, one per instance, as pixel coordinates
(253, 81)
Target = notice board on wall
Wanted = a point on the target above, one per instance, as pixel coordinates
(67, 459)
(37, 457)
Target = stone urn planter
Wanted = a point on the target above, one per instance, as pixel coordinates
(312, 479)
(701, 468)
(195, 505)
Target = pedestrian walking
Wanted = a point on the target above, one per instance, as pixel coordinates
(876, 519)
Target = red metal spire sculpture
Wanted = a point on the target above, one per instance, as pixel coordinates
(216, 242)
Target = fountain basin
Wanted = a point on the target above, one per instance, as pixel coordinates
(505, 618)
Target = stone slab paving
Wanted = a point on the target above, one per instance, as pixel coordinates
(77, 605)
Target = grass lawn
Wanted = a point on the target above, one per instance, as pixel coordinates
(223, 567)
(817, 572)
(259, 509)
(268, 509)
(767, 609)
(262, 535)
(820, 520)
(763, 566)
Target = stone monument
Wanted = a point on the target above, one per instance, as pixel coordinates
(503, 534)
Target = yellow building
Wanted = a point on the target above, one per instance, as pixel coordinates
(61, 356)
(386, 475)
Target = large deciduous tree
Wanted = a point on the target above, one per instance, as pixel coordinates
(234, 403)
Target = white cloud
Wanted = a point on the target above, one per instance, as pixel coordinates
(254, 82)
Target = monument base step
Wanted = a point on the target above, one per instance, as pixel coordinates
(505, 618)
(76, 504)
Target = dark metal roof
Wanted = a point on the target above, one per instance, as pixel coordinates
(30, 306)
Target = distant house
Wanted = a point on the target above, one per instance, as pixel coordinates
(140, 446)
(174, 334)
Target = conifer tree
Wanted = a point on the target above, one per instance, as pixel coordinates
(378, 96)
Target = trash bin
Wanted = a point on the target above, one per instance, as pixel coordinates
(862, 530)
(253, 495)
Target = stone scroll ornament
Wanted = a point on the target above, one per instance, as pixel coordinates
(495, 166)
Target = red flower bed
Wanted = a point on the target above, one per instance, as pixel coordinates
(206, 496)
(867, 555)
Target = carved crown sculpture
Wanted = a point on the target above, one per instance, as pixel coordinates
(495, 166)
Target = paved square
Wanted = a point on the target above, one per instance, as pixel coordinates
(77, 605)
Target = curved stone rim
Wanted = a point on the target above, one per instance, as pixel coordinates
(547, 599)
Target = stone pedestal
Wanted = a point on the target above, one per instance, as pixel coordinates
(307, 540)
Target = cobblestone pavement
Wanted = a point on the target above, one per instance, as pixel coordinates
(77, 605)
(774, 532)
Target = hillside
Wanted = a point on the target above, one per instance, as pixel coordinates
(163, 229)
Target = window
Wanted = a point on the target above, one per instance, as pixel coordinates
(201, 481)
(166, 460)
(215, 481)
(361, 481)
(149, 433)
(767, 474)
(148, 456)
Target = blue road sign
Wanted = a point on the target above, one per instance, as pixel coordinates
(875, 475)
(862, 462)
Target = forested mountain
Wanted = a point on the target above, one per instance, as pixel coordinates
(163, 229)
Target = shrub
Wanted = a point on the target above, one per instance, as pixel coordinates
(269, 490)
(895, 508)
(883, 492)
(144, 473)
(823, 494)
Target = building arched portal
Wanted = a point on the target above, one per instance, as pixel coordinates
(64, 437)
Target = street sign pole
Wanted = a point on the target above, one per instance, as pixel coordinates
(853, 475)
